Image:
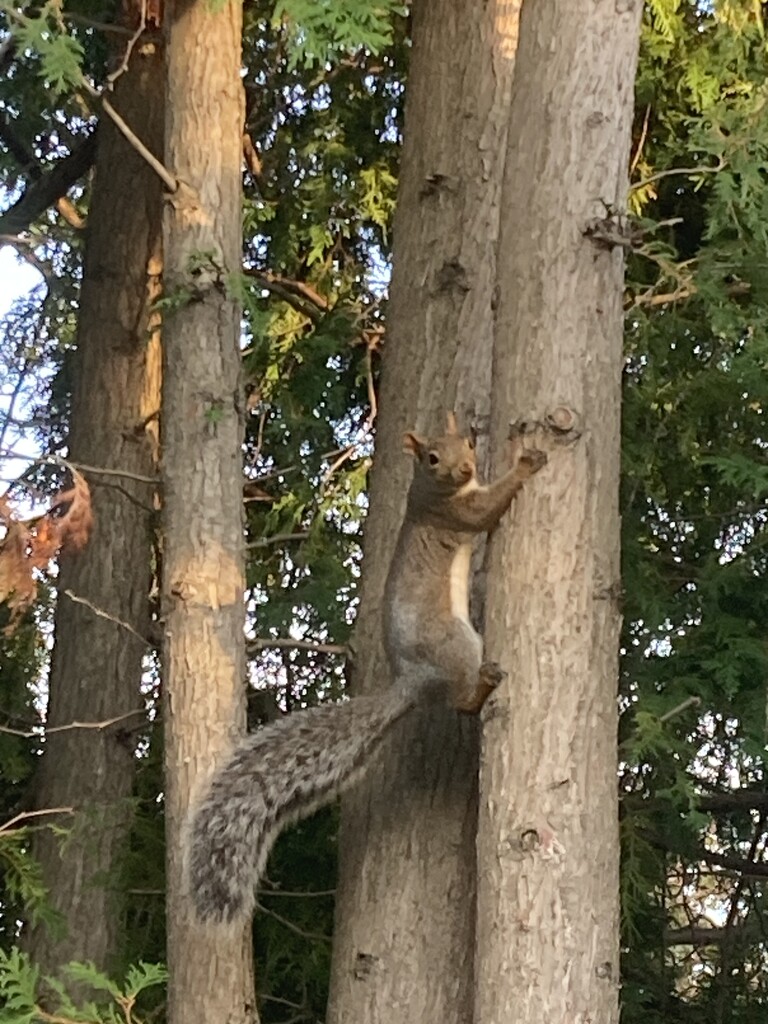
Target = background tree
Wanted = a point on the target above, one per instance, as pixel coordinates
(103, 610)
(112, 426)
(693, 667)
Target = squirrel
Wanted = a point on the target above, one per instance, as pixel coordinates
(292, 767)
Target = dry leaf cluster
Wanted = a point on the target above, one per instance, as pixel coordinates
(29, 545)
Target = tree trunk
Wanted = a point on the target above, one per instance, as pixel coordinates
(548, 850)
(405, 899)
(203, 578)
(97, 662)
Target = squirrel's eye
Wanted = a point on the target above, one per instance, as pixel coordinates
(434, 458)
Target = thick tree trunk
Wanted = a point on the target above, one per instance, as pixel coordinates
(203, 579)
(96, 664)
(548, 852)
(405, 902)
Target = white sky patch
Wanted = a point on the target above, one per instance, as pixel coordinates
(17, 277)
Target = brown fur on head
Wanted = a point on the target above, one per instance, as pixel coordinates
(446, 462)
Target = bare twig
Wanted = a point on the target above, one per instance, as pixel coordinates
(677, 170)
(690, 702)
(138, 31)
(107, 615)
(23, 815)
(13, 398)
(168, 179)
(298, 894)
(298, 294)
(344, 456)
(103, 471)
(641, 141)
(100, 26)
(276, 538)
(314, 936)
(372, 402)
(105, 724)
(57, 460)
(734, 290)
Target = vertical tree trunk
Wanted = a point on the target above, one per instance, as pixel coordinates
(405, 901)
(548, 852)
(96, 664)
(203, 579)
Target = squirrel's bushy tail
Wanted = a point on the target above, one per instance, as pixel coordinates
(282, 772)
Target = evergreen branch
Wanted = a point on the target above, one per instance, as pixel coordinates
(49, 188)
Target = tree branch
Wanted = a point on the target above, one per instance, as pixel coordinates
(276, 538)
(736, 800)
(747, 868)
(298, 294)
(649, 298)
(49, 187)
(301, 645)
(701, 935)
(676, 170)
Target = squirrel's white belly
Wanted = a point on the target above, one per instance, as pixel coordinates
(459, 583)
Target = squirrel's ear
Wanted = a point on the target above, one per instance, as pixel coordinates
(452, 426)
(412, 443)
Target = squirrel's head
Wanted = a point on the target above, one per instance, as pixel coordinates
(445, 463)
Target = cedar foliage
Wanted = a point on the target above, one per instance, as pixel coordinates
(323, 120)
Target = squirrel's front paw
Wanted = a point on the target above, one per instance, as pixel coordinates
(527, 460)
(531, 460)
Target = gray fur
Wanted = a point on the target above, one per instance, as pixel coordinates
(283, 772)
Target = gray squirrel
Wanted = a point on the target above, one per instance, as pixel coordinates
(290, 768)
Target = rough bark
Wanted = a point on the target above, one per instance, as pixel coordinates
(96, 664)
(203, 578)
(404, 921)
(548, 855)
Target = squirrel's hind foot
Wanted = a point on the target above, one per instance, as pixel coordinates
(490, 676)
